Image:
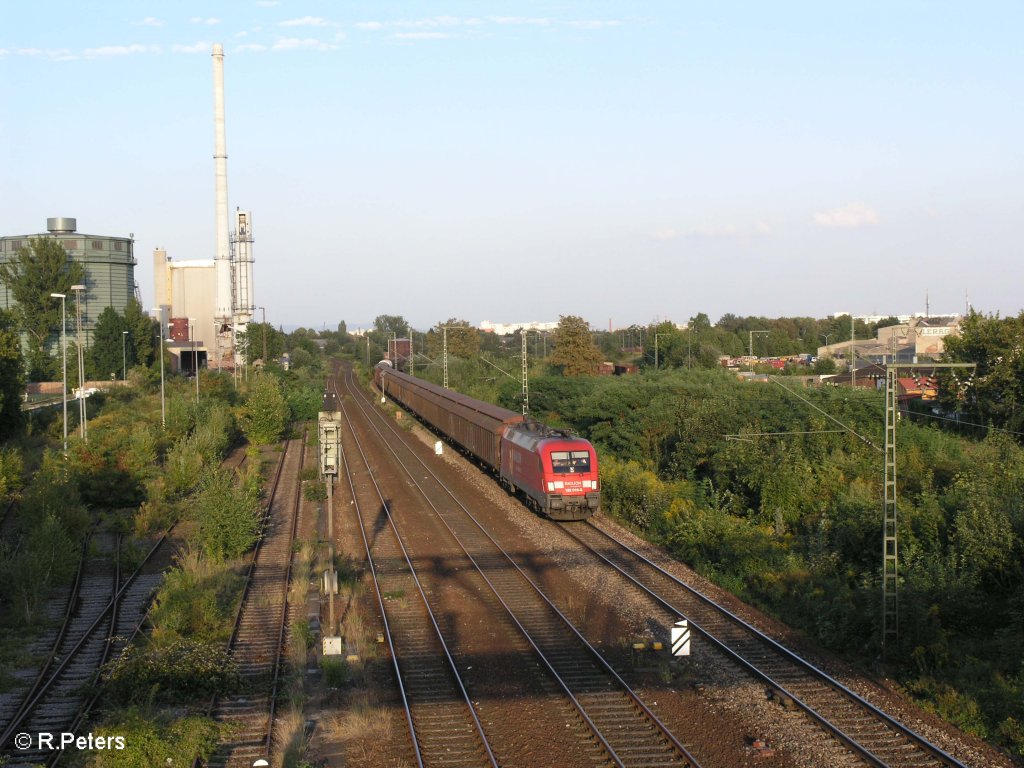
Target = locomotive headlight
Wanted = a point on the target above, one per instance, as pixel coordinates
(559, 484)
(551, 486)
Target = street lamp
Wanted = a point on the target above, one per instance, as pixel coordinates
(64, 347)
(264, 311)
(124, 356)
(82, 413)
(163, 407)
(195, 355)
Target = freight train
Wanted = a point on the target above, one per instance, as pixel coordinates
(553, 472)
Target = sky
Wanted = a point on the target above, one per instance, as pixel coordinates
(517, 161)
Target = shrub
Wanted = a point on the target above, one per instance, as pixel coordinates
(228, 516)
(265, 414)
(156, 741)
(197, 600)
(185, 670)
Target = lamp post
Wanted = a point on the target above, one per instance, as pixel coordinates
(264, 311)
(163, 407)
(64, 356)
(124, 356)
(82, 428)
(195, 355)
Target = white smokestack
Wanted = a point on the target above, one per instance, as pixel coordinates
(220, 159)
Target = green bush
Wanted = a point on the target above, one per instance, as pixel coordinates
(183, 671)
(155, 741)
(265, 414)
(336, 671)
(196, 600)
(228, 515)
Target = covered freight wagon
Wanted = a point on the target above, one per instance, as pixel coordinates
(475, 425)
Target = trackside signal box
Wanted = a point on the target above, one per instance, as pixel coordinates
(330, 442)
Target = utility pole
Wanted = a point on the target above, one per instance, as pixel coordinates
(751, 343)
(82, 412)
(853, 355)
(444, 336)
(526, 376)
(890, 542)
(412, 354)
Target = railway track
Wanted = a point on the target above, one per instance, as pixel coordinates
(260, 631)
(611, 718)
(102, 614)
(443, 725)
(103, 606)
(867, 735)
(871, 736)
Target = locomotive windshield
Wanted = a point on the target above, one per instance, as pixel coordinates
(564, 462)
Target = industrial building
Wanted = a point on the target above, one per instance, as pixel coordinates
(108, 261)
(203, 305)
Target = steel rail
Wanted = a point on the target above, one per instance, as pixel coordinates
(136, 629)
(774, 646)
(40, 687)
(296, 506)
(419, 586)
(236, 625)
(23, 709)
(594, 654)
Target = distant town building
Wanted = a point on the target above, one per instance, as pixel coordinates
(108, 261)
(503, 329)
(919, 337)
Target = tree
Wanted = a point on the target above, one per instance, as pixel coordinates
(107, 340)
(32, 274)
(996, 391)
(252, 340)
(575, 353)
(463, 339)
(142, 330)
(11, 376)
(265, 414)
(385, 325)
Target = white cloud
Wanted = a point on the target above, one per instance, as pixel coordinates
(421, 36)
(369, 25)
(518, 20)
(251, 48)
(199, 20)
(305, 21)
(665, 235)
(595, 24)
(149, 21)
(121, 50)
(851, 216)
(200, 47)
(308, 44)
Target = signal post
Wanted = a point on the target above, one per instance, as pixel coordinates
(330, 459)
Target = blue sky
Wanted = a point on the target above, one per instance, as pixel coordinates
(523, 160)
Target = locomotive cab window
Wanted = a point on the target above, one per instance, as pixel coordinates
(564, 462)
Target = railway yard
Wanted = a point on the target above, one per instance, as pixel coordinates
(474, 632)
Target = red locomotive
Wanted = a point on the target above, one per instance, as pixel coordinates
(552, 471)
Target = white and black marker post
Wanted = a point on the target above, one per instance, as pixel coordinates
(681, 638)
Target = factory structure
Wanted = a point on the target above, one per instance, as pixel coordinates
(107, 260)
(203, 305)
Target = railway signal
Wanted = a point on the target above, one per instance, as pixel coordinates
(330, 459)
(681, 638)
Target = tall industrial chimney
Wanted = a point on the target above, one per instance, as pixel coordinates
(220, 157)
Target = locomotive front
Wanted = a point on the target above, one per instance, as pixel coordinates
(556, 473)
